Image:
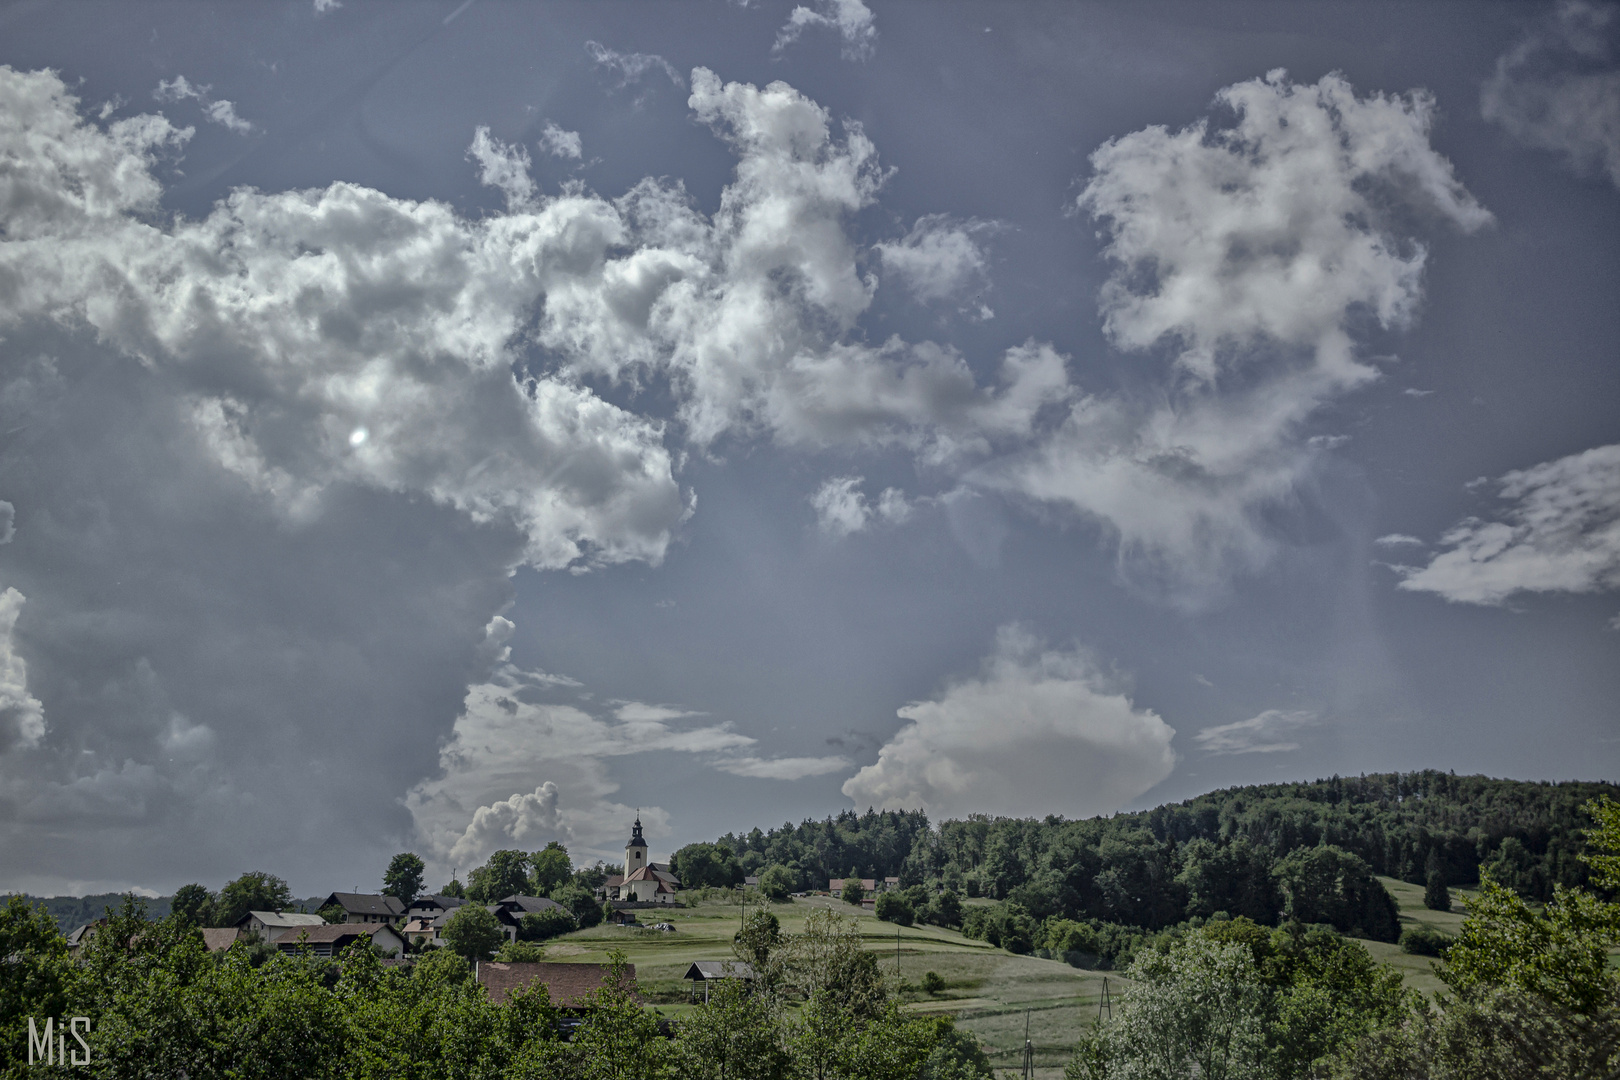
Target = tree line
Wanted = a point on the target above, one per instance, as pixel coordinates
(1530, 993)
(163, 1006)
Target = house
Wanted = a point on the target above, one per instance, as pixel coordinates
(270, 925)
(432, 906)
(642, 881)
(518, 905)
(330, 939)
(366, 907)
(568, 984)
(422, 928)
(836, 885)
(81, 933)
(707, 971)
(216, 938)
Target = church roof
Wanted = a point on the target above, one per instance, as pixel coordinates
(635, 836)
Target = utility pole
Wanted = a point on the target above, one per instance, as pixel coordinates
(1029, 1050)
(1103, 1003)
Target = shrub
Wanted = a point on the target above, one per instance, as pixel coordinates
(932, 983)
(892, 907)
(520, 952)
(545, 925)
(1424, 941)
(777, 882)
(853, 893)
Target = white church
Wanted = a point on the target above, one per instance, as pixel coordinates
(643, 882)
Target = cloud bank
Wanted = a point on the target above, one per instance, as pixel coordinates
(1038, 732)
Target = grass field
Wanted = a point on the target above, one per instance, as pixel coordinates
(1418, 971)
(988, 990)
(992, 993)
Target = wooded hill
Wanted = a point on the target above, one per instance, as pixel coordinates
(1218, 852)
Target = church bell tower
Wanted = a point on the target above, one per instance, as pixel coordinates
(635, 852)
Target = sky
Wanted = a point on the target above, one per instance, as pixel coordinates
(454, 426)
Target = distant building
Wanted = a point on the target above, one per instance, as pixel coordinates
(642, 881)
(432, 906)
(366, 907)
(270, 925)
(331, 939)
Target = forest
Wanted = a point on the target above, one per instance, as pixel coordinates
(1305, 851)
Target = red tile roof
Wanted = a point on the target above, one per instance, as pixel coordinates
(566, 983)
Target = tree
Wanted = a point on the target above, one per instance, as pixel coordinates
(1559, 954)
(1436, 897)
(735, 1035)
(35, 976)
(253, 891)
(473, 932)
(1327, 884)
(777, 882)
(853, 892)
(933, 983)
(550, 868)
(403, 878)
(616, 1041)
(545, 925)
(1200, 1003)
(893, 907)
(700, 865)
(505, 874)
(455, 889)
(581, 904)
(192, 904)
(946, 910)
(333, 913)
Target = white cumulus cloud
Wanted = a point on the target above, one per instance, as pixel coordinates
(559, 142)
(1560, 534)
(1244, 254)
(1559, 88)
(1038, 732)
(22, 717)
(851, 20)
(1268, 733)
(939, 259)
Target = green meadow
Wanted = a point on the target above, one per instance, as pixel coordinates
(990, 991)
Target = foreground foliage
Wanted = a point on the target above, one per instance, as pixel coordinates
(1533, 996)
(162, 1006)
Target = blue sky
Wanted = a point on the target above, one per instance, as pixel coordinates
(448, 427)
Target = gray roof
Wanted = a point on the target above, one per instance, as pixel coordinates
(366, 904)
(720, 969)
(529, 904)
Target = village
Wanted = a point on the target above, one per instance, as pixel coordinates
(401, 931)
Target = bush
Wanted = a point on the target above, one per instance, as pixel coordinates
(853, 893)
(1424, 941)
(520, 952)
(581, 904)
(777, 883)
(545, 925)
(892, 907)
(932, 983)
